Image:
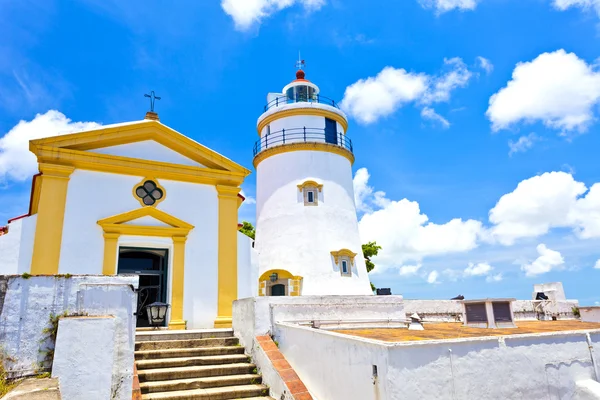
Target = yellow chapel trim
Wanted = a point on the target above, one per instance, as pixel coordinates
(310, 184)
(51, 199)
(343, 253)
(116, 226)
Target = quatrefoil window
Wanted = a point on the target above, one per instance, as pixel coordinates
(149, 193)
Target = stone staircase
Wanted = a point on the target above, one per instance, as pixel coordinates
(206, 364)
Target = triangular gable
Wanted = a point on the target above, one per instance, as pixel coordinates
(120, 134)
(159, 215)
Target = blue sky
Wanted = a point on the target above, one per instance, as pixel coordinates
(476, 118)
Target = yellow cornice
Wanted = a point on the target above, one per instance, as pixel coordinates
(134, 166)
(146, 212)
(341, 253)
(136, 132)
(228, 191)
(282, 274)
(35, 195)
(285, 148)
(55, 170)
(310, 184)
(319, 112)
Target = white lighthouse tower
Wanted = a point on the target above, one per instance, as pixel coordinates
(307, 231)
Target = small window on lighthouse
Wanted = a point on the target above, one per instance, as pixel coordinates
(346, 267)
(310, 196)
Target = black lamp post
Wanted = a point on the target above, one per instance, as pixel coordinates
(157, 313)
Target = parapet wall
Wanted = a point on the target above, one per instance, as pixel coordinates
(28, 309)
(451, 310)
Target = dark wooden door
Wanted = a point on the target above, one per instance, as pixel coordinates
(278, 290)
(330, 131)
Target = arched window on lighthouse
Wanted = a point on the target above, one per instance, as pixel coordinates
(310, 192)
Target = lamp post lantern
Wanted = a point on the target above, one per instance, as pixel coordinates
(157, 313)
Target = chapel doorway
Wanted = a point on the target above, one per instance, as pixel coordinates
(151, 265)
(278, 290)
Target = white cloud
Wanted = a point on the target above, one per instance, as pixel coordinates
(485, 64)
(480, 269)
(494, 278)
(597, 266)
(370, 99)
(442, 6)
(558, 89)
(16, 161)
(458, 76)
(407, 270)
(433, 277)
(404, 232)
(550, 200)
(547, 261)
(248, 200)
(429, 113)
(523, 144)
(585, 4)
(248, 13)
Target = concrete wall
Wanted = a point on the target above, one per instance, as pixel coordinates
(16, 247)
(451, 310)
(27, 304)
(299, 238)
(256, 316)
(590, 314)
(545, 366)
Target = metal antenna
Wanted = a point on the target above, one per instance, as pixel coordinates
(300, 64)
(152, 97)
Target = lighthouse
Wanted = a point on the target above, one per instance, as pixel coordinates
(307, 237)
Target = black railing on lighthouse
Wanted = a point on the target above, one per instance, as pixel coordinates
(317, 98)
(302, 135)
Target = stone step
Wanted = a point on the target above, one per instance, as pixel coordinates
(194, 352)
(191, 361)
(220, 393)
(200, 383)
(187, 343)
(163, 374)
(157, 335)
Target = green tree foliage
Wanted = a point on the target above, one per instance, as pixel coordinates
(370, 249)
(248, 229)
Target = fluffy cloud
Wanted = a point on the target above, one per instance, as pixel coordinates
(551, 200)
(585, 4)
(370, 99)
(597, 266)
(16, 162)
(429, 113)
(559, 89)
(442, 6)
(407, 270)
(494, 278)
(405, 233)
(537, 205)
(523, 144)
(248, 13)
(480, 269)
(433, 277)
(485, 64)
(547, 261)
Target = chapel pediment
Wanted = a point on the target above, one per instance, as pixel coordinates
(146, 140)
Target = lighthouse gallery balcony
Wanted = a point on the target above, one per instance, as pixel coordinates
(302, 135)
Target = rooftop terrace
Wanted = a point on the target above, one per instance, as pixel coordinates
(452, 330)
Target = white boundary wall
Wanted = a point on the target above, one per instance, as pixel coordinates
(27, 303)
(539, 366)
(452, 310)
